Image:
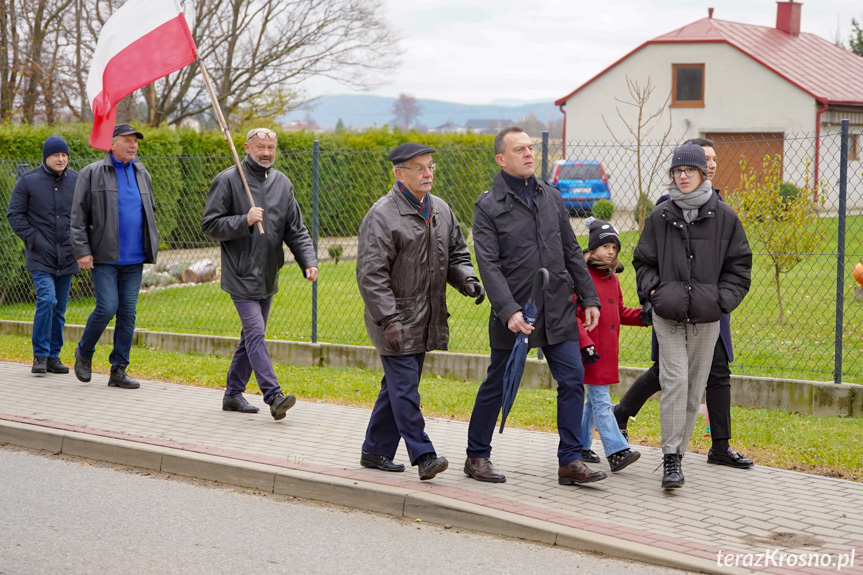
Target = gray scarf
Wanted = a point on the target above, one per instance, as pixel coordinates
(690, 202)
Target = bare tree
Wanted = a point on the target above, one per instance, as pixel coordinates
(406, 111)
(641, 129)
(259, 52)
(42, 24)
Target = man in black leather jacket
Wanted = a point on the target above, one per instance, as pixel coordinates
(251, 261)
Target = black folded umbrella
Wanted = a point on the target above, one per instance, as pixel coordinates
(515, 363)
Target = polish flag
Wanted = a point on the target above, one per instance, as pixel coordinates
(141, 42)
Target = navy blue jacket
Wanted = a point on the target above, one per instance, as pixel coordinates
(39, 213)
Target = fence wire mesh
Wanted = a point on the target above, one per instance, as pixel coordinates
(786, 188)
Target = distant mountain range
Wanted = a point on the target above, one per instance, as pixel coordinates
(360, 111)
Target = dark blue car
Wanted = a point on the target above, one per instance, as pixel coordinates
(581, 183)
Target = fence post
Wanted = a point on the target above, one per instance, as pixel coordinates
(840, 260)
(544, 156)
(316, 186)
(544, 176)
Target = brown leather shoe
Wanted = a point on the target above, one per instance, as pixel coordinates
(576, 473)
(482, 469)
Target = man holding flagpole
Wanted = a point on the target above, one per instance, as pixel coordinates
(113, 233)
(251, 261)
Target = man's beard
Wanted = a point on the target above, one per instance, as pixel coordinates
(261, 163)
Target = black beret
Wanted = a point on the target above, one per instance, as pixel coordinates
(405, 152)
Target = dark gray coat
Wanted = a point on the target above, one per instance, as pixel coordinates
(698, 270)
(95, 218)
(403, 266)
(251, 261)
(39, 213)
(512, 243)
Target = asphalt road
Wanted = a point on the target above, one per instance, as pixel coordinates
(73, 516)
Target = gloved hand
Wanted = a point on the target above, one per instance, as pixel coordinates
(589, 355)
(395, 335)
(647, 313)
(475, 290)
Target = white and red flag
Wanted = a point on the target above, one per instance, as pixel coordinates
(141, 42)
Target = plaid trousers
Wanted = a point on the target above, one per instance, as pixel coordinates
(685, 357)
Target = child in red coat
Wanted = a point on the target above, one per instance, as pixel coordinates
(599, 349)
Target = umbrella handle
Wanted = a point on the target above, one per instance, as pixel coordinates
(540, 282)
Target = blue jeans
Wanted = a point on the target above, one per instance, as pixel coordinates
(598, 413)
(564, 361)
(52, 295)
(397, 414)
(116, 289)
(252, 353)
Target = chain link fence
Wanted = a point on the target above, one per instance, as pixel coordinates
(803, 220)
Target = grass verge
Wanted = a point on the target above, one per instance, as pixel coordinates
(831, 446)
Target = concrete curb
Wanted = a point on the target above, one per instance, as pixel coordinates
(357, 494)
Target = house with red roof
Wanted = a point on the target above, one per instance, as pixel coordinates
(755, 90)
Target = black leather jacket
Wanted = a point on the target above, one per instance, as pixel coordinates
(251, 261)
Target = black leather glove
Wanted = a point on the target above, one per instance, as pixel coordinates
(647, 313)
(589, 355)
(475, 290)
(395, 335)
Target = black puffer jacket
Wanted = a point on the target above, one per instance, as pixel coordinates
(39, 213)
(512, 243)
(697, 271)
(403, 266)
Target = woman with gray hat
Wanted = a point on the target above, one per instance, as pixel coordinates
(693, 261)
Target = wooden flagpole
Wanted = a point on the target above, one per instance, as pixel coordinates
(221, 118)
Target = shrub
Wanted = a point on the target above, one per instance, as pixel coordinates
(603, 210)
(335, 253)
(643, 207)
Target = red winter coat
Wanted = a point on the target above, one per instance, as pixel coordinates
(605, 337)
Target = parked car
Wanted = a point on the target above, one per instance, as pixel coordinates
(581, 184)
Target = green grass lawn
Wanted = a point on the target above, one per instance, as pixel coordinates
(801, 347)
(830, 446)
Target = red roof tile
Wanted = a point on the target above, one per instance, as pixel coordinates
(827, 72)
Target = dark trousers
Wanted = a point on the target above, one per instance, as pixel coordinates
(116, 289)
(252, 353)
(564, 361)
(397, 414)
(52, 294)
(718, 394)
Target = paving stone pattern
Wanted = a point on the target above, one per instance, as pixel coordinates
(719, 509)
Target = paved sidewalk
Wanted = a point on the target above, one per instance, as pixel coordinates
(314, 453)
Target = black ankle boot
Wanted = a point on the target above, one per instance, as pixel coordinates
(672, 476)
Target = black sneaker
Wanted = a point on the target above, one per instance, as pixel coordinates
(622, 458)
(56, 366)
(589, 456)
(120, 379)
(40, 365)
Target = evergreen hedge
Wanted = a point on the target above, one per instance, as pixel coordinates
(354, 173)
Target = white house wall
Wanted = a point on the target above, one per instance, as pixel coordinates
(740, 95)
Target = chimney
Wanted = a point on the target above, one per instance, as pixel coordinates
(710, 12)
(788, 17)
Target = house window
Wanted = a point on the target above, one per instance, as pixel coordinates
(687, 89)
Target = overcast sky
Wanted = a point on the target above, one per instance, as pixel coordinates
(480, 51)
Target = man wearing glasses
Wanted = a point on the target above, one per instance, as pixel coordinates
(410, 247)
(251, 261)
